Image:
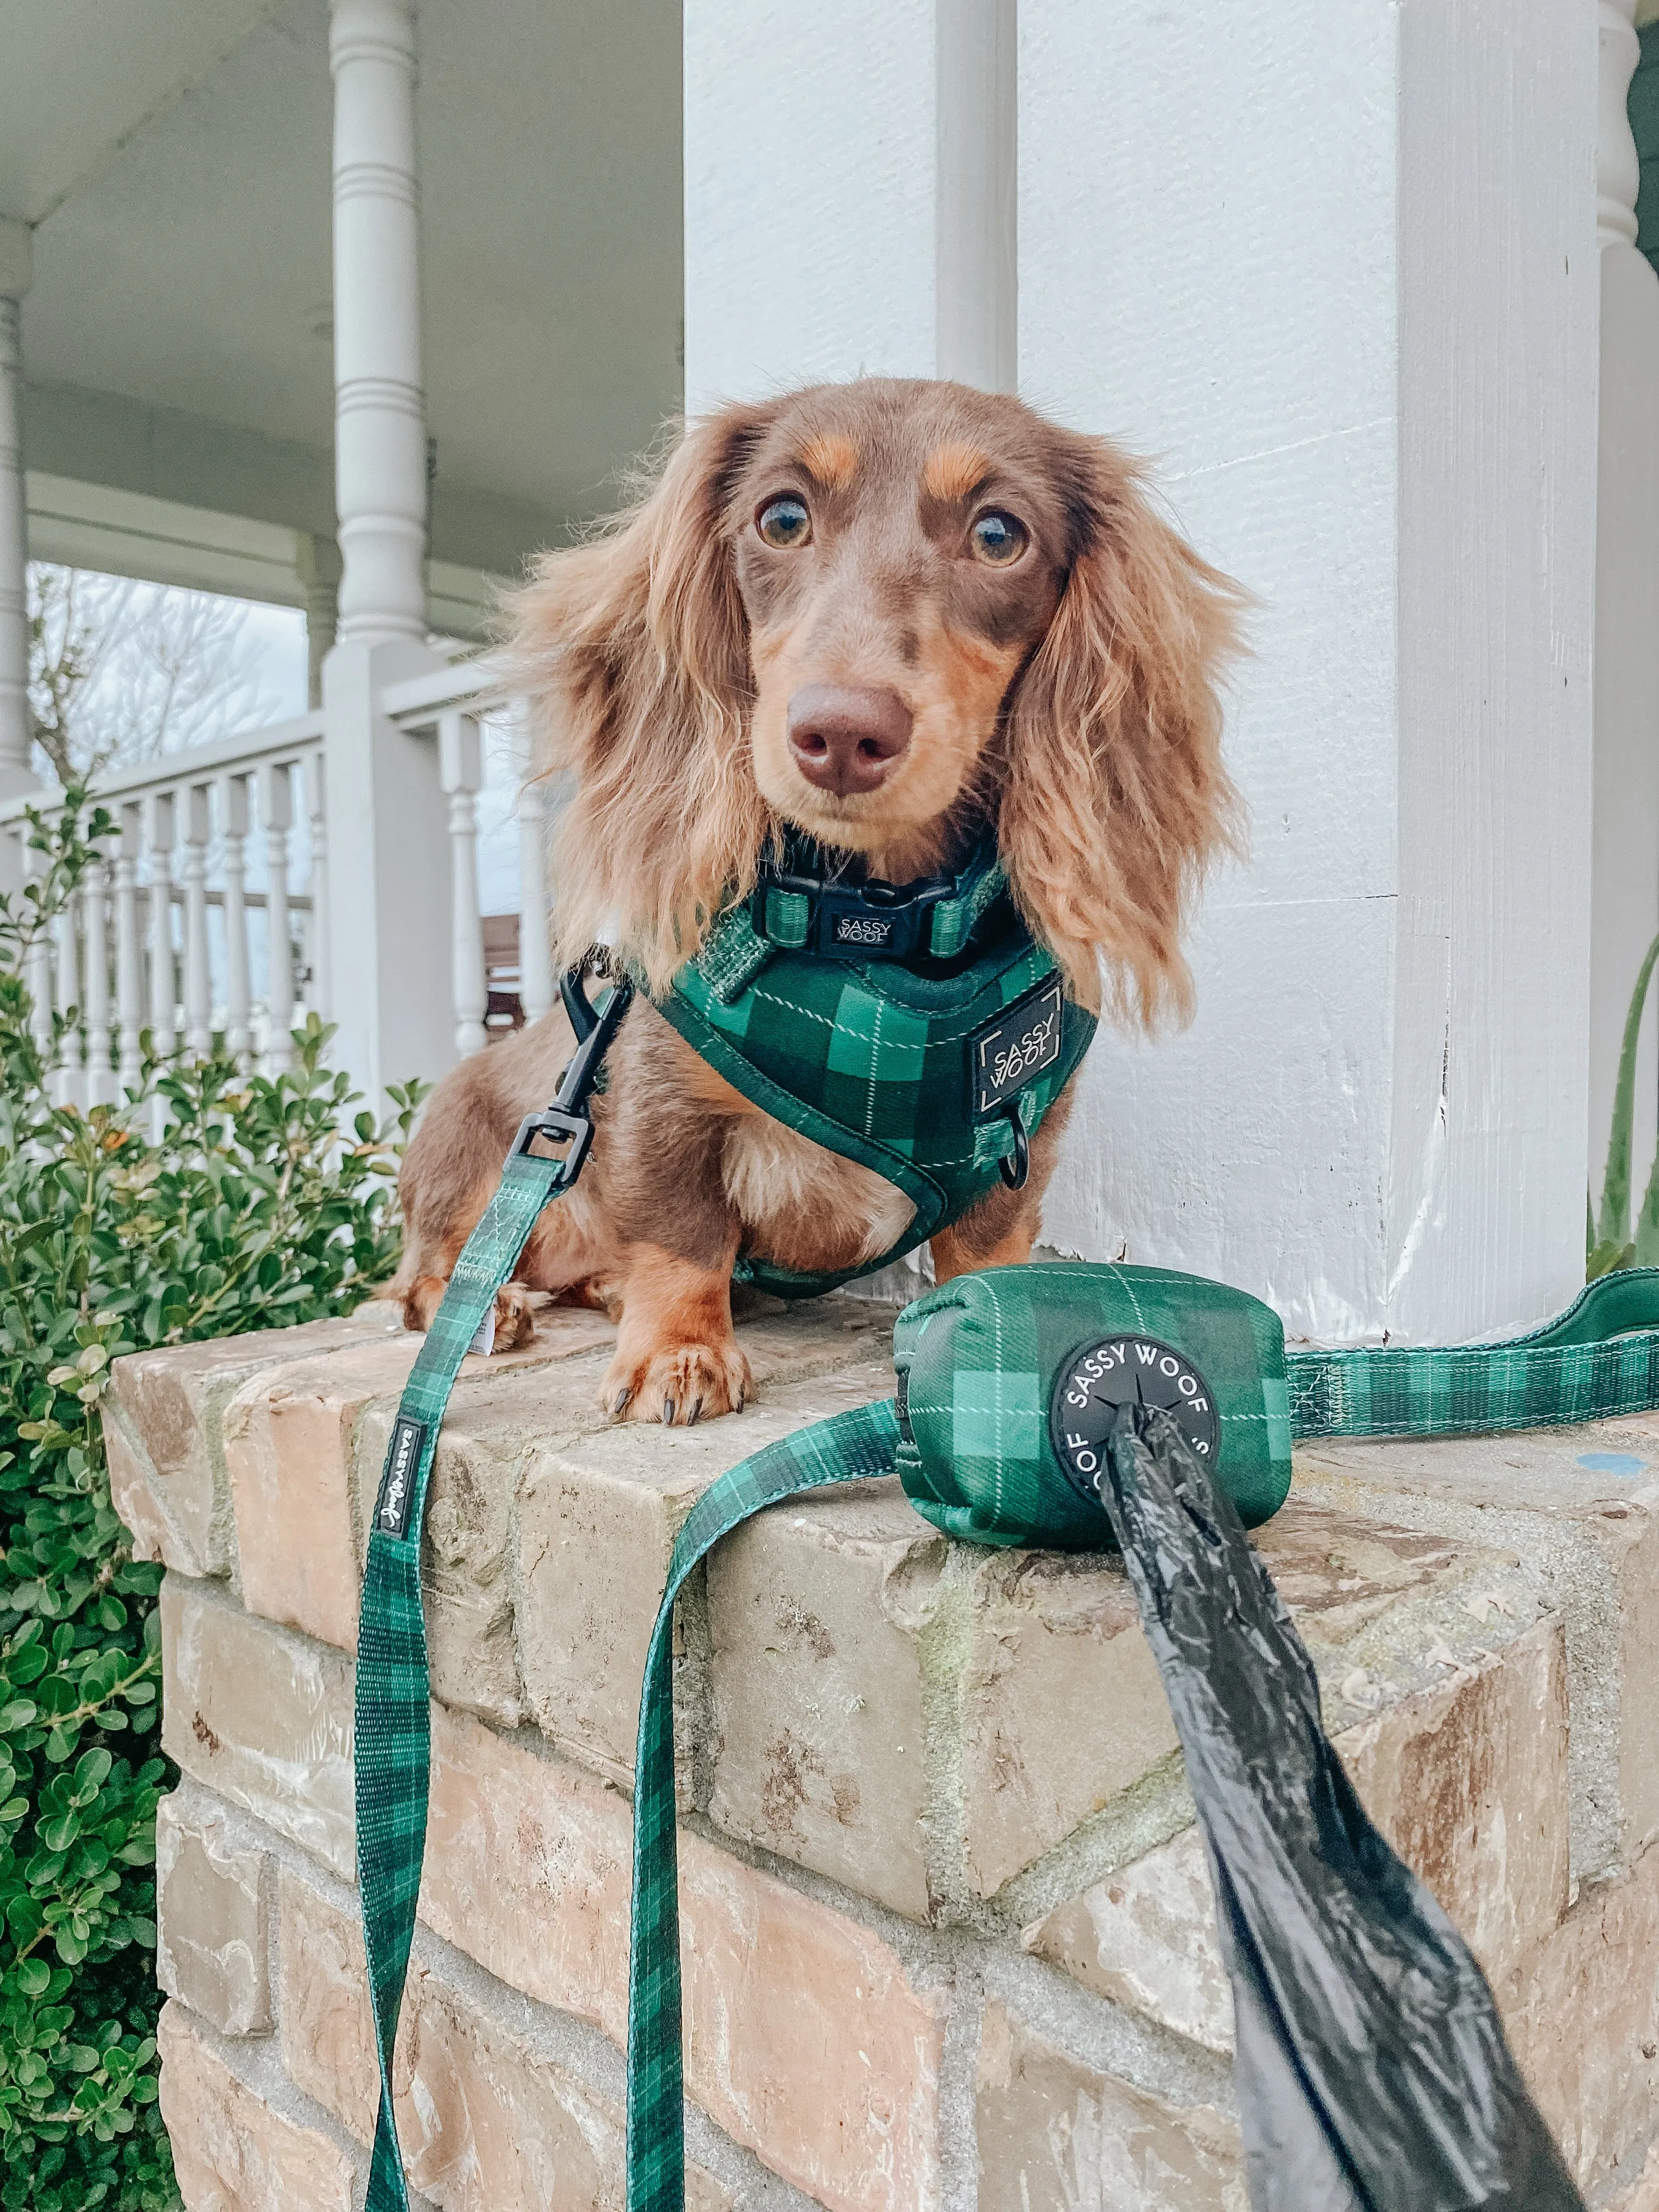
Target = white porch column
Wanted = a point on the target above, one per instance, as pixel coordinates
(388, 850)
(1625, 903)
(15, 272)
(849, 193)
(1335, 262)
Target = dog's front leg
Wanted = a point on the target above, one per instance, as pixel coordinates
(677, 1357)
(659, 1156)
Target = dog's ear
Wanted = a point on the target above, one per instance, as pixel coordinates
(634, 652)
(1116, 799)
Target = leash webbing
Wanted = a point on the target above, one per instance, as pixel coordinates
(392, 1746)
(846, 1448)
(1582, 1366)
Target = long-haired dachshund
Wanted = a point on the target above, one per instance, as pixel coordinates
(890, 614)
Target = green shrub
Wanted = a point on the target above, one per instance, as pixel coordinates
(256, 1210)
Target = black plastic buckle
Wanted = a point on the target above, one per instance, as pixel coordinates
(567, 1121)
(861, 922)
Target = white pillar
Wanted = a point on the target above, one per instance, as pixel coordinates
(1335, 261)
(387, 899)
(379, 428)
(848, 193)
(15, 271)
(1625, 909)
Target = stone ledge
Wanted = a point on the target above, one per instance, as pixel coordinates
(912, 1770)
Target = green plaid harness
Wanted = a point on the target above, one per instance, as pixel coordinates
(977, 1470)
(934, 1070)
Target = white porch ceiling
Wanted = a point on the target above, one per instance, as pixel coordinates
(174, 157)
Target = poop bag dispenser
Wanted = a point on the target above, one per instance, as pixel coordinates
(1008, 1381)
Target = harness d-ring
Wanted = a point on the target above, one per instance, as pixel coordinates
(1015, 1171)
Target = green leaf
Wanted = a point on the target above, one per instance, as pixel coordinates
(1613, 1227)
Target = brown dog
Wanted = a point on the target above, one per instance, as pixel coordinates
(890, 613)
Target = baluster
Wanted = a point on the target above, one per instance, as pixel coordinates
(129, 954)
(460, 772)
(67, 1086)
(535, 951)
(233, 818)
(321, 995)
(100, 1082)
(277, 815)
(198, 992)
(158, 836)
(39, 967)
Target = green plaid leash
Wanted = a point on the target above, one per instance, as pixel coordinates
(393, 1745)
(847, 1448)
(1599, 1359)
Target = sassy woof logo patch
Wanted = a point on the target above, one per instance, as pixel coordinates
(1010, 1051)
(872, 931)
(1116, 1370)
(403, 1461)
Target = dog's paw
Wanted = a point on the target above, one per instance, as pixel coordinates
(515, 1322)
(678, 1384)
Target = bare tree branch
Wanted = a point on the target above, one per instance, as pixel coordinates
(120, 671)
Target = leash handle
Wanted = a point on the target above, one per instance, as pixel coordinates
(1598, 1359)
(393, 1741)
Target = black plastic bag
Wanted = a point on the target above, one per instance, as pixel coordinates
(1372, 2070)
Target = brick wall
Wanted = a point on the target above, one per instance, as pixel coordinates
(947, 1931)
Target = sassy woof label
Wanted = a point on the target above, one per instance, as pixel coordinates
(869, 930)
(1010, 1051)
(403, 1461)
(1118, 1370)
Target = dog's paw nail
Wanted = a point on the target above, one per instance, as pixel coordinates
(668, 1412)
(619, 1401)
(742, 1400)
(697, 1407)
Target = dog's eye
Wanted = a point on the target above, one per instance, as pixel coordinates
(785, 522)
(999, 538)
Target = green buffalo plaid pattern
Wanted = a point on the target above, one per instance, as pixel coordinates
(979, 1357)
(1598, 1359)
(393, 1741)
(846, 1448)
(874, 1063)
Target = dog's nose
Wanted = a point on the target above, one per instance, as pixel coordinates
(846, 737)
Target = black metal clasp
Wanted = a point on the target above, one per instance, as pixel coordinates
(567, 1121)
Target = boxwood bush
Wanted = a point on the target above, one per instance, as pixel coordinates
(265, 1204)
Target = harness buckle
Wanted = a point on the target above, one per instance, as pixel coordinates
(567, 1121)
(861, 922)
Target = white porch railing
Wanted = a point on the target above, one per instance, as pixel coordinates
(456, 702)
(167, 931)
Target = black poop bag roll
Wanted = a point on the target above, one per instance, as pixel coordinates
(1372, 2070)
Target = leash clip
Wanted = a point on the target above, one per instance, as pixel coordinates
(567, 1121)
